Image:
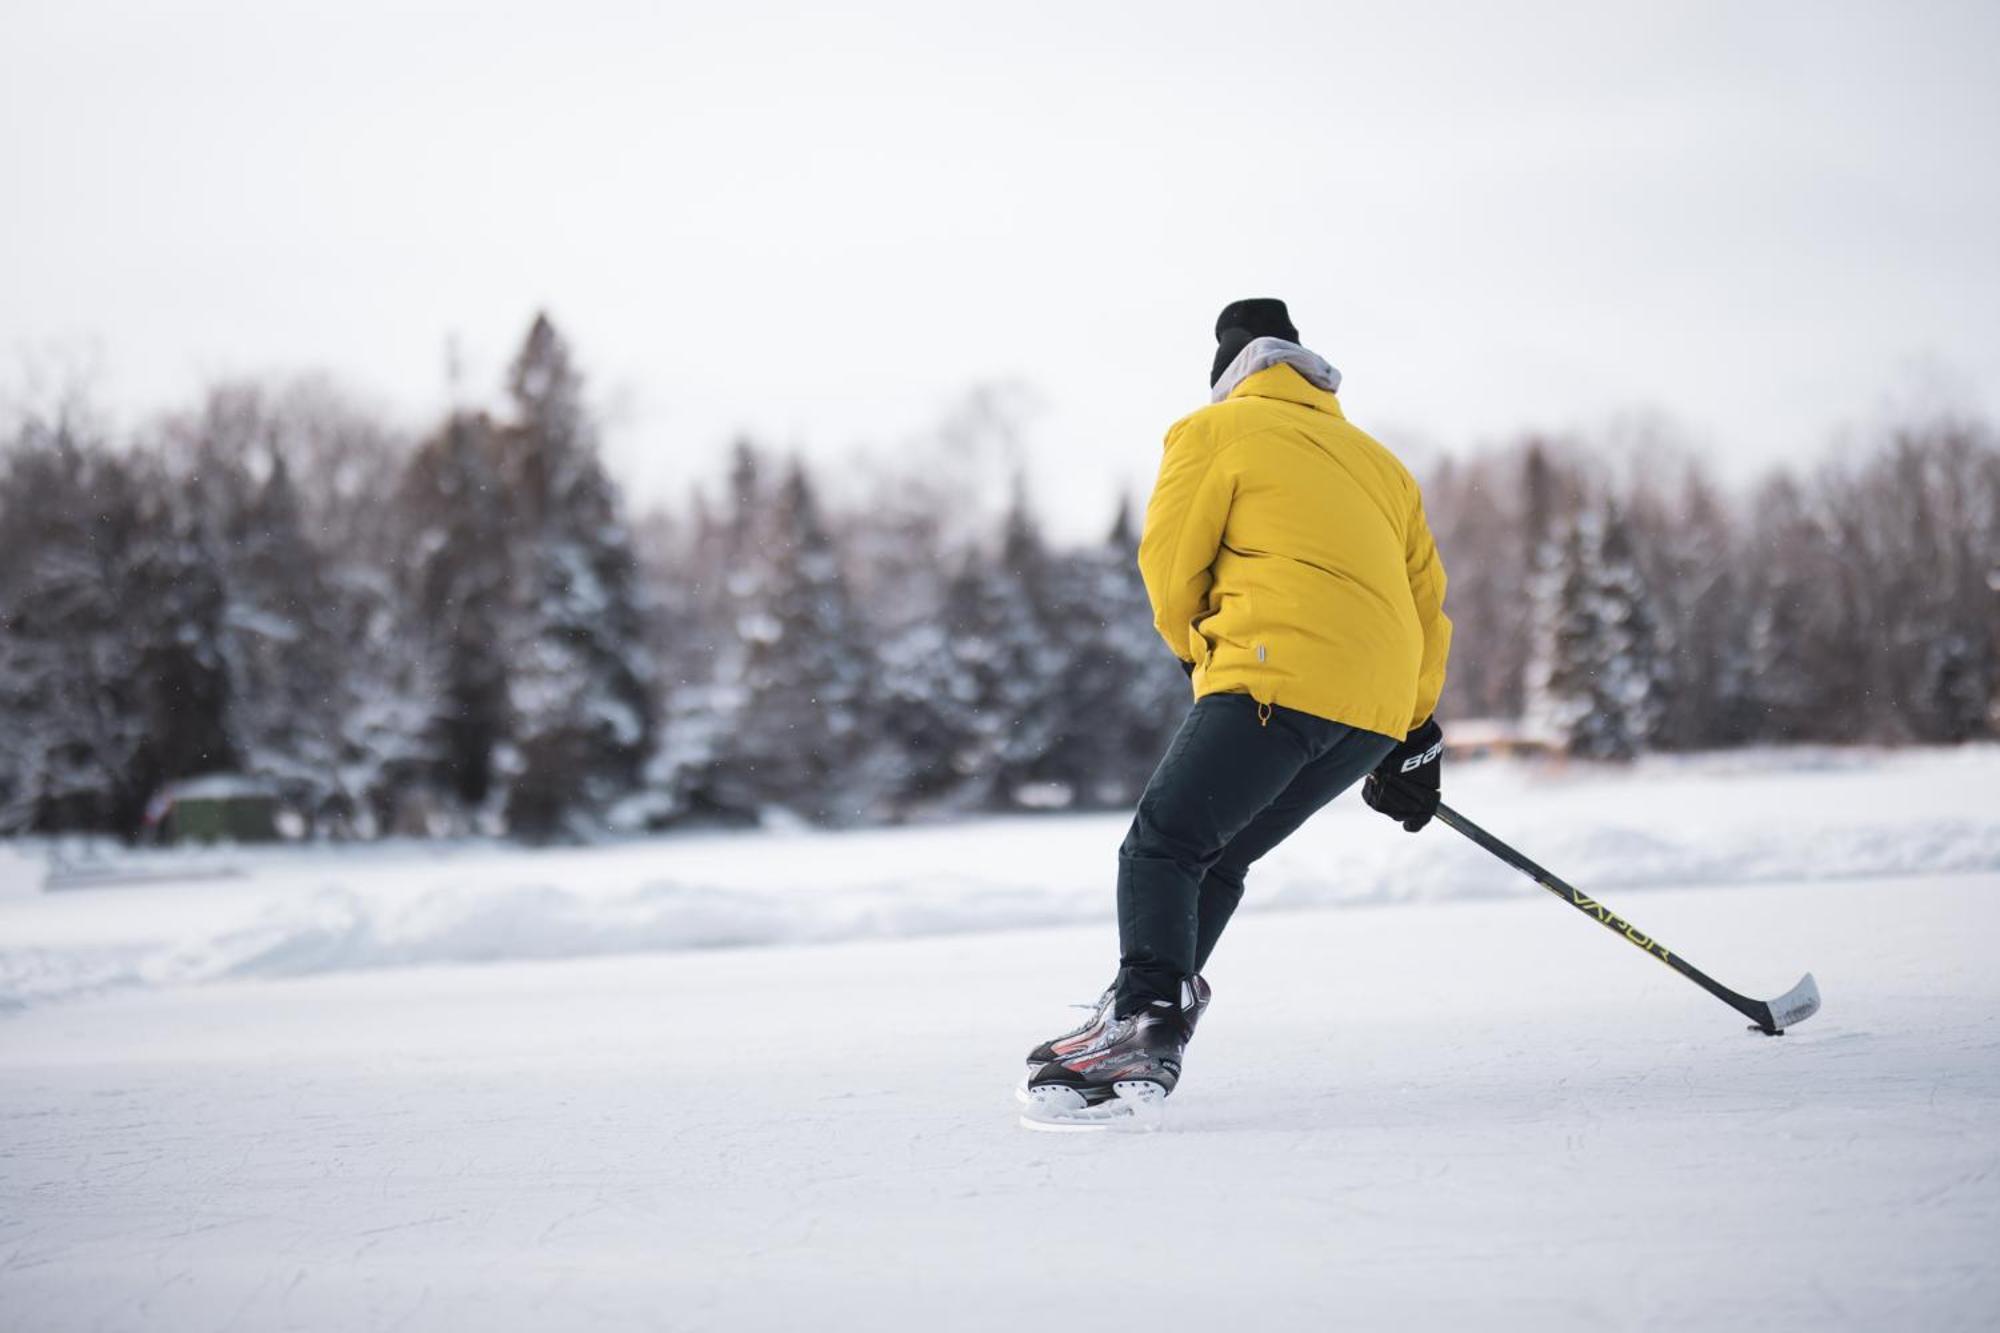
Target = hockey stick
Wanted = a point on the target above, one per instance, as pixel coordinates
(1770, 1017)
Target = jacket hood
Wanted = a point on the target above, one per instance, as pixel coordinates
(1263, 353)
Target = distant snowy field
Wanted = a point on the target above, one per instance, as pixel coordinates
(265, 1090)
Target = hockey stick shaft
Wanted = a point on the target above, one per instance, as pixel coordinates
(1803, 1000)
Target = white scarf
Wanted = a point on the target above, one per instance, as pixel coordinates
(1263, 353)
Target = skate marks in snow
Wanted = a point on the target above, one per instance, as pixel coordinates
(1485, 1089)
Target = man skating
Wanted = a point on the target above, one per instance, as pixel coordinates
(1292, 572)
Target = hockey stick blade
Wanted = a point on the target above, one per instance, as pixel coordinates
(1795, 1006)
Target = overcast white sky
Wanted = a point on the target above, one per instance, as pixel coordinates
(823, 223)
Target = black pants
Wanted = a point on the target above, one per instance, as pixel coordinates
(1235, 783)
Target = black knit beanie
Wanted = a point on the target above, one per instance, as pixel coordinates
(1243, 321)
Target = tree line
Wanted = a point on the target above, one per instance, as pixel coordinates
(1622, 602)
(466, 631)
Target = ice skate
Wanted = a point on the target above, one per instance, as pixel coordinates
(1124, 1079)
(1091, 1031)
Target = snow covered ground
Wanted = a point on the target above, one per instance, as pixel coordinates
(278, 1098)
(167, 918)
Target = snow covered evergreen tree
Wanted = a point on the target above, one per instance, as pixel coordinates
(802, 739)
(1595, 680)
(705, 657)
(386, 701)
(903, 565)
(458, 577)
(1121, 695)
(348, 473)
(282, 660)
(112, 677)
(176, 606)
(670, 609)
(580, 681)
(925, 707)
(74, 749)
(1003, 696)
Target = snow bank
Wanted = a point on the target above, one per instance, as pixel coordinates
(21, 870)
(1712, 821)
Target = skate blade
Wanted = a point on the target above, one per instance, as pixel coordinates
(1138, 1107)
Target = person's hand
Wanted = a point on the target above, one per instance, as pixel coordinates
(1406, 785)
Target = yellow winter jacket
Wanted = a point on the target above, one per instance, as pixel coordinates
(1287, 556)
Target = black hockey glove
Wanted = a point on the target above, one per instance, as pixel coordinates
(1405, 786)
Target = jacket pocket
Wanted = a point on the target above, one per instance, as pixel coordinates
(1199, 645)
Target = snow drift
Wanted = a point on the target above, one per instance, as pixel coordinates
(1713, 820)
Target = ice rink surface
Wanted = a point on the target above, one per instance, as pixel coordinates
(1458, 1111)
